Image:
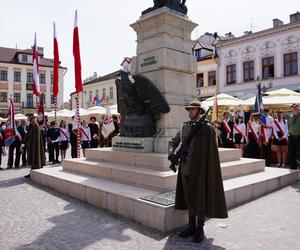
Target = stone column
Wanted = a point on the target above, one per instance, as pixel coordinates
(164, 55)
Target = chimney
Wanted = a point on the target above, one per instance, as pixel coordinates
(246, 33)
(295, 17)
(277, 23)
(229, 35)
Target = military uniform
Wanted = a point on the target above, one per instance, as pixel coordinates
(294, 139)
(199, 183)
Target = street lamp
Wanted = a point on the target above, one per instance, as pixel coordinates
(264, 88)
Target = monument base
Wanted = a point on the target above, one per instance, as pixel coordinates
(133, 144)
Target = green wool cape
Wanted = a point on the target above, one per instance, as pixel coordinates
(35, 147)
(206, 191)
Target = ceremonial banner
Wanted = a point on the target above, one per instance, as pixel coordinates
(11, 132)
(41, 111)
(36, 76)
(108, 125)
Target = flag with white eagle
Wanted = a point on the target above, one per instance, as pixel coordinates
(108, 125)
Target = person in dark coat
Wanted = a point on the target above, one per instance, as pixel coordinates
(226, 129)
(23, 130)
(73, 139)
(35, 147)
(15, 146)
(2, 142)
(94, 132)
(199, 183)
(53, 142)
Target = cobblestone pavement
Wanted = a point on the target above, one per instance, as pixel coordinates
(32, 217)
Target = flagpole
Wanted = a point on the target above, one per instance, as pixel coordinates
(78, 125)
(55, 108)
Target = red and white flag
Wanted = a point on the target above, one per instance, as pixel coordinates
(36, 73)
(11, 132)
(108, 125)
(56, 63)
(76, 54)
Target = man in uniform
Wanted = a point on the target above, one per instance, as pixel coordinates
(35, 147)
(199, 183)
(294, 136)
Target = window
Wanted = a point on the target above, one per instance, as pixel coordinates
(268, 67)
(17, 76)
(3, 75)
(111, 93)
(212, 80)
(231, 74)
(198, 54)
(24, 59)
(199, 80)
(290, 64)
(104, 93)
(97, 93)
(29, 77)
(42, 78)
(17, 97)
(248, 71)
(91, 96)
(3, 97)
(29, 101)
(52, 99)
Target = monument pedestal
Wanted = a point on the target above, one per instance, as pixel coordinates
(133, 144)
(164, 55)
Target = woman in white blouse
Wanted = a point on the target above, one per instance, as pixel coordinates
(280, 139)
(85, 136)
(64, 138)
(239, 134)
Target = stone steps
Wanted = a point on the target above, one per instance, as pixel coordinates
(150, 160)
(125, 199)
(151, 178)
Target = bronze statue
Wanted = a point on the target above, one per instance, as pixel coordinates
(178, 5)
(140, 104)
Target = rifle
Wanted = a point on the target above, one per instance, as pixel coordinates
(180, 155)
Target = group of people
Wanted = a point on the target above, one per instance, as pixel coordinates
(258, 137)
(54, 139)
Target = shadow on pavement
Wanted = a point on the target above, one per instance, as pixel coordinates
(175, 242)
(296, 186)
(82, 225)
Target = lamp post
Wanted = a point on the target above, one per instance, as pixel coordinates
(264, 88)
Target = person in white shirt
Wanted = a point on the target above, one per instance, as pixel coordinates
(280, 139)
(64, 138)
(266, 132)
(85, 136)
(239, 134)
(253, 134)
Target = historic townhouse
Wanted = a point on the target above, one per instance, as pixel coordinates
(16, 79)
(272, 55)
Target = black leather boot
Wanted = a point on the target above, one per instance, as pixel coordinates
(190, 230)
(199, 232)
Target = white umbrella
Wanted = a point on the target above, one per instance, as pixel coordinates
(283, 92)
(96, 110)
(223, 100)
(20, 117)
(3, 119)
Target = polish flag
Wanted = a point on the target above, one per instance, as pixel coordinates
(56, 63)
(36, 78)
(76, 54)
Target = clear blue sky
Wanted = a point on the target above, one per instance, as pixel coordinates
(105, 35)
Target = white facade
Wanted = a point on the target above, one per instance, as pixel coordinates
(103, 89)
(19, 87)
(274, 42)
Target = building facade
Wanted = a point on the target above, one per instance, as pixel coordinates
(271, 55)
(101, 90)
(16, 80)
(207, 65)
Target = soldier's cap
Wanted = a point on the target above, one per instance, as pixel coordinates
(294, 105)
(196, 104)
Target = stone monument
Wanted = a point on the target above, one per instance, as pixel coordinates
(164, 55)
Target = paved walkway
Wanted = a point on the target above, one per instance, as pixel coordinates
(32, 217)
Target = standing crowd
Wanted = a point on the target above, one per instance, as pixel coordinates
(280, 133)
(55, 139)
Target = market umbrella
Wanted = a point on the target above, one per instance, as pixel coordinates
(223, 100)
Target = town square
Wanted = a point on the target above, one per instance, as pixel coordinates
(149, 125)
